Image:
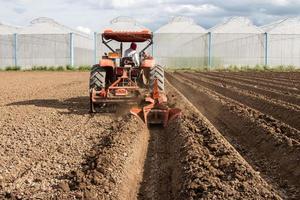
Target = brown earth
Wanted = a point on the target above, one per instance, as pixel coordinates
(290, 87)
(208, 166)
(291, 78)
(283, 111)
(261, 139)
(256, 88)
(52, 148)
(48, 138)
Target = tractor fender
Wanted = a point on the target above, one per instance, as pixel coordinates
(148, 63)
(107, 63)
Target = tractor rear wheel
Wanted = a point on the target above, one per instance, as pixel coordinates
(97, 77)
(157, 73)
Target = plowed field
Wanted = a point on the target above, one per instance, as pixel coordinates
(238, 138)
(257, 114)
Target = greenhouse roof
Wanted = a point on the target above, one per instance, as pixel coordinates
(125, 24)
(285, 26)
(236, 25)
(181, 25)
(8, 29)
(45, 25)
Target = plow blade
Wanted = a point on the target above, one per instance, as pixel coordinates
(100, 102)
(156, 115)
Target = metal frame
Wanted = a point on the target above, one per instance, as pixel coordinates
(148, 45)
(72, 49)
(95, 48)
(131, 85)
(266, 49)
(209, 50)
(106, 43)
(15, 49)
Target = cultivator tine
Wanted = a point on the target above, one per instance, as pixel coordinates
(150, 115)
(174, 113)
(136, 112)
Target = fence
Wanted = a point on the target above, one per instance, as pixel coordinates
(169, 49)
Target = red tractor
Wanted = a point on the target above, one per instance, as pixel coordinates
(117, 80)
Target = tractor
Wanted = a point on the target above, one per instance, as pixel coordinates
(116, 80)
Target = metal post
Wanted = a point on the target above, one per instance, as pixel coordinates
(266, 49)
(121, 49)
(209, 49)
(72, 49)
(95, 47)
(16, 49)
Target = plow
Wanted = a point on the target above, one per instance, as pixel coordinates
(120, 80)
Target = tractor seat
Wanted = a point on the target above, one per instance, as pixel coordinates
(127, 61)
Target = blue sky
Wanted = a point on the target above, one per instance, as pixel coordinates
(95, 14)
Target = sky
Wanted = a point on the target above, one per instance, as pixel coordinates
(94, 15)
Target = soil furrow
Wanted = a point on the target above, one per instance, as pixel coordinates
(275, 126)
(284, 89)
(157, 168)
(280, 111)
(113, 166)
(275, 94)
(210, 168)
(265, 149)
(52, 148)
(265, 79)
(292, 77)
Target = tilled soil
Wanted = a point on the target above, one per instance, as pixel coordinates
(263, 140)
(286, 112)
(287, 78)
(262, 90)
(113, 167)
(158, 167)
(287, 86)
(205, 165)
(191, 160)
(52, 148)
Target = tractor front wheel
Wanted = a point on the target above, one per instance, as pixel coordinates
(97, 82)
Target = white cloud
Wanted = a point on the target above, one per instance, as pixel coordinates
(193, 9)
(123, 3)
(96, 14)
(281, 2)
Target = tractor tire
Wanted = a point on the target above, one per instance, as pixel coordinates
(157, 73)
(97, 78)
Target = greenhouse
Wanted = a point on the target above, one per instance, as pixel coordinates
(236, 42)
(6, 29)
(181, 43)
(7, 44)
(283, 42)
(45, 42)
